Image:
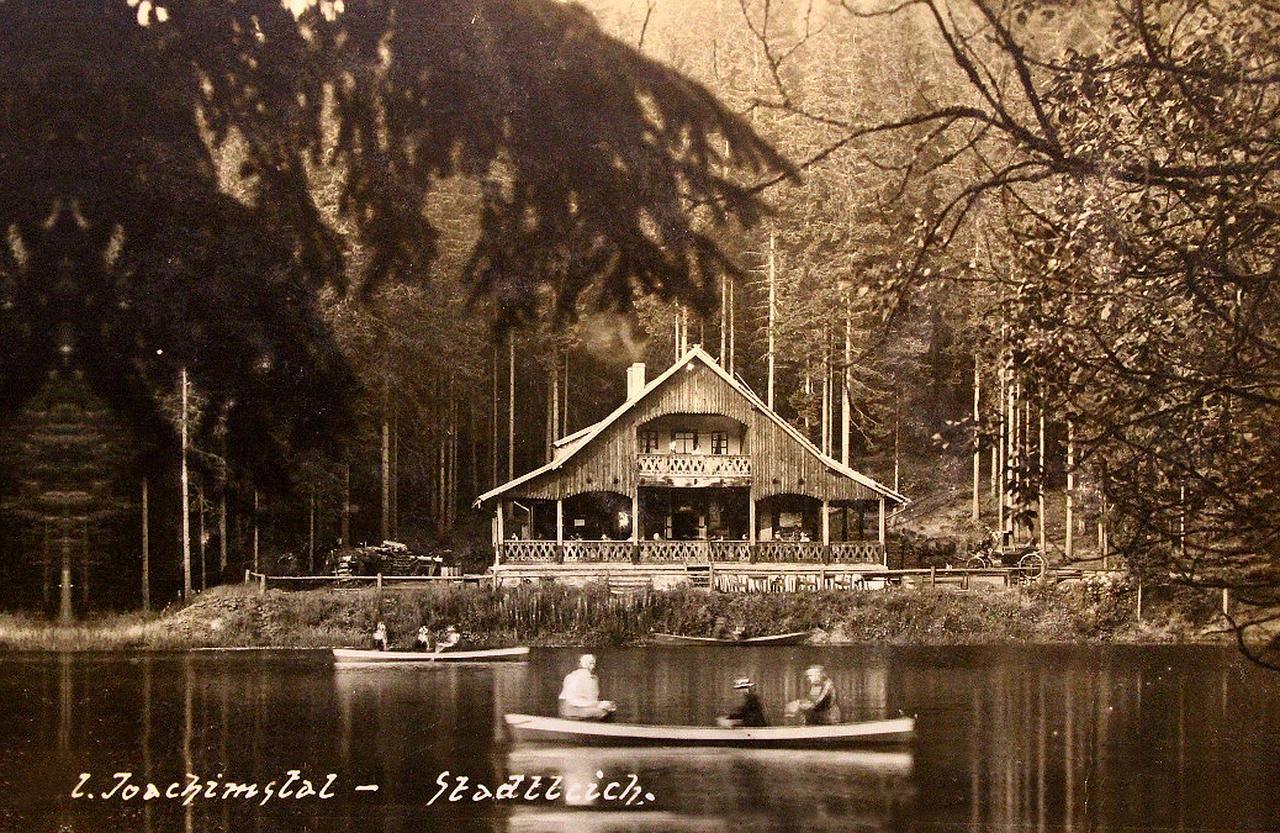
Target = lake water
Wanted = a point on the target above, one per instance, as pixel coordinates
(1012, 739)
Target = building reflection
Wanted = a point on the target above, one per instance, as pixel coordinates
(716, 789)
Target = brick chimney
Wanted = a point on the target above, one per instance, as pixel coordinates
(635, 380)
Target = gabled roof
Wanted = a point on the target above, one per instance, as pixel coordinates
(571, 444)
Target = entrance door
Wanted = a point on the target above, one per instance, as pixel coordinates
(684, 525)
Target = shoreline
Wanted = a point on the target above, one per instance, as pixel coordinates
(237, 618)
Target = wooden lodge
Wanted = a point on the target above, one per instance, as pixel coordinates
(692, 469)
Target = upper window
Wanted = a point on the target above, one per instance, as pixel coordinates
(719, 442)
(648, 442)
(684, 441)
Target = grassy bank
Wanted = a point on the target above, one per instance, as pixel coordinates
(557, 615)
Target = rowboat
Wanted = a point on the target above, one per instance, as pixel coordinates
(357, 656)
(892, 760)
(528, 728)
(795, 638)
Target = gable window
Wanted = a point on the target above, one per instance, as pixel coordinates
(684, 441)
(648, 442)
(719, 442)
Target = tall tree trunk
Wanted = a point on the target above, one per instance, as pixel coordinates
(473, 451)
(257, 565)
(1040, 485)
(204, 577)
(808, 397)
(733, 327)
(1004, 445)
(1069, 543)
(897, 457)
(186, 500)
(344, 530)
(395, 474)
(493, 422)
(146, 548)
(441, 485)
(553, 402)
(724, 321)
(511, 405)
(773, 312)
(846, 392)
(826, 394)
(977, 439)
(311, 532)
(222, 533)
(452, 510)
(564, 411)
(384, 528)
(1011, 457)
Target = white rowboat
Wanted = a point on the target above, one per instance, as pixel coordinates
(528, 728)
(357, 656)
(795, 638)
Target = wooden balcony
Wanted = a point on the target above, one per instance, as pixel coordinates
(693, 469)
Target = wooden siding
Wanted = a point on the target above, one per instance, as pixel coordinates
(779, 463)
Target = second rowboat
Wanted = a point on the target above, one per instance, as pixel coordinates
(795, 638)
(356, 656)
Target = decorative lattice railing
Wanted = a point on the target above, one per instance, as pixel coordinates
(693, 465)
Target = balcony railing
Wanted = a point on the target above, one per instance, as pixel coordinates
(705, 468)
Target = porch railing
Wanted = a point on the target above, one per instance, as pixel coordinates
(580, 551)
(529, 551)
(682, 552)
(668, 551)
(856, 552)
(767, 551)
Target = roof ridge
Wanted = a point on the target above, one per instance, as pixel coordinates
(584, 436)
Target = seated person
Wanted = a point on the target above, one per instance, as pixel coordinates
(820, 707)
(380, 636)
(748, 711)
(423, 642)
(451, 638)
(580, 695)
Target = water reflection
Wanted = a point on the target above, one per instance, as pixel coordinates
(811, 790)
(1010, 739)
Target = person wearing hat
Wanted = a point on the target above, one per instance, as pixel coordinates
(580, 694)
(748, 711)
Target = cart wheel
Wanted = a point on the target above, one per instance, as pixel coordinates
(977, 562)
(1033, 566)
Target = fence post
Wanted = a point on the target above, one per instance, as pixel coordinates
(247, 573)
(933, 576)
(1139, 600)
(262, 584)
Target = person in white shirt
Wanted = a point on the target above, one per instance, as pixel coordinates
(580, 695)
(451, 638)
